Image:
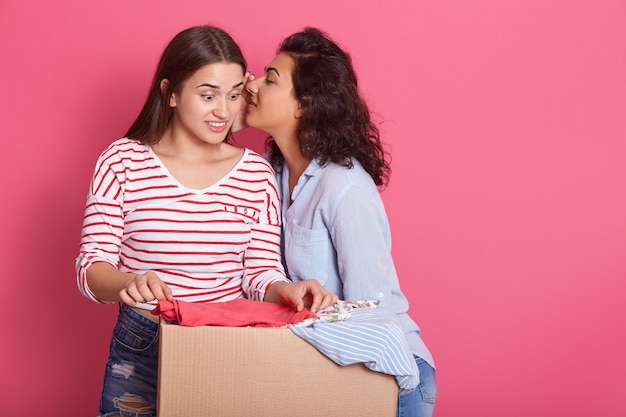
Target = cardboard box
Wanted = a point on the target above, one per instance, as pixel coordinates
(258, 372)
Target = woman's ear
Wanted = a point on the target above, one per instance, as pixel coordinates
(164, 87)
(298, 112)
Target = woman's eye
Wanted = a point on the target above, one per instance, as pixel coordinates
(235, 96)
(268, 81)
(208, 97)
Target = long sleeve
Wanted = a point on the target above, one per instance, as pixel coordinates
(263, 258)
(103, 222)
(360, 235)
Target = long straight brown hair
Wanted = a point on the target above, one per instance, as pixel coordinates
(187, 52)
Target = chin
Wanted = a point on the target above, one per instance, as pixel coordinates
(250, 121)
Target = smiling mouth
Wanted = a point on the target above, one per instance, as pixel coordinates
(217, 124)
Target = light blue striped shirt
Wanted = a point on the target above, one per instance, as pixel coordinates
(371, 336)
(335, 229)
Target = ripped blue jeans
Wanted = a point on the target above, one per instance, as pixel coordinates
(130, 379)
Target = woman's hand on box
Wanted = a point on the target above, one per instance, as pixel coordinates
(300, 295)
(145, 288)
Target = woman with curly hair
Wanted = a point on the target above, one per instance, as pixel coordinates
(329, 160)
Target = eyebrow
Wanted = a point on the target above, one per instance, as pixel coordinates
(268, 69)
(217, 87)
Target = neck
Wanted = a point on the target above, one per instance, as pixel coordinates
(296, 162)
(172, 144)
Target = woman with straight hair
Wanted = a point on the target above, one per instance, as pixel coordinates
(175, 212)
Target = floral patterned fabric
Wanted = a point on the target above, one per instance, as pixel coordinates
(340, 311)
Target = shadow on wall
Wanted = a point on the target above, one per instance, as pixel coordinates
(250, 138)
(56, 339)
(61, 338)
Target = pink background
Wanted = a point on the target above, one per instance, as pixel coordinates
(507, 125)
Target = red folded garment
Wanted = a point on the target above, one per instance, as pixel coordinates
(236, 313)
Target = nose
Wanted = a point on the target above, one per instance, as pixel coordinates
(221, 108)
(252, 86)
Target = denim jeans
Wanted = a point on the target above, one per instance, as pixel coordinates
(130, 380)
(421, 401)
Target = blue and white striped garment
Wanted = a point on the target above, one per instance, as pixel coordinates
(372, 336)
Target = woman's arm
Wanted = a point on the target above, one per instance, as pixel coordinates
(299, 295)
(109, 284)
(361, 237)
(103, 226)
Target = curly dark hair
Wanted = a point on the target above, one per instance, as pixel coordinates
(336, 124)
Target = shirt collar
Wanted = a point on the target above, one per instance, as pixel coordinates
(311, 170)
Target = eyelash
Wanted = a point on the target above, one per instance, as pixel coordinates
(268, 81)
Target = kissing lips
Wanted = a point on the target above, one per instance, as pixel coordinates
(251, 103)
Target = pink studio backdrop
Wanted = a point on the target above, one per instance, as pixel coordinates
(507, 125)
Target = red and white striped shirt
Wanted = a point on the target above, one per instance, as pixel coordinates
(215, 244)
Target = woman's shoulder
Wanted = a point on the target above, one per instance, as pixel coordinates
(349, 187)
(253, 160)
(121, 154)
(346, 176)
(125, 145)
